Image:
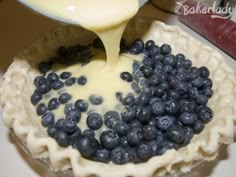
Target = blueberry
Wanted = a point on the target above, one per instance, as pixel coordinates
(74, 138)
(160, 136)
(149, 44)
(136, 67)
(124, 142)
(173, 94)
(136, 87)
(41, 109)
(159, 92)
(126, 76)
(44, 88)
(148, 62)
(205, 114)
(165, 85)
(207, 83)
(128, 114)
(110, 118)
(51, 131)
(39, 80)
(44, 67)
(153, 145)
(70, 124)
(97, 43)
(193, 92)
(147, 71)
(208, 92)
(198, 126)
(144, 151)
(48, 119)
(163, 147)
(128, 100)
(36, 98)
(165, 49)
(180, 57)
(204, 72)
(171, 107)
(187, 64)
(197, 82)
(81, 105)
(109, 139)
(202, 100)
(154, 50)
(144, 98)
(138, 75)
(102, 155)
(143, 114)
(59, 123)
(187, 118)
(164, 122)
(94, 121)
(168, 69)
(137, 47)
(57, 85)
(89, 133)
(87, 146)
(149, 132)
(187, 106)
(73, 114)
(62, 51)
(64, 98)
(65, 75)
(158, 108)
(68, 107)
(121, 128)
(52, 77)
(119, 156)
(134, 136)
(182, 88)
(188, 135)
(95, 99)
(53, 104)
(70, 81)
(119, 96)
(62, 138)
(154, 81)
(176, 133)
(82, 80)
(169, 60)
(135, 123)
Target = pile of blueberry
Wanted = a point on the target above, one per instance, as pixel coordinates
(167, 107)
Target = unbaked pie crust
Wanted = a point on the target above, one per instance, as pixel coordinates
(19, 114)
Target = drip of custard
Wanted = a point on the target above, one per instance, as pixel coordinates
(108, 19)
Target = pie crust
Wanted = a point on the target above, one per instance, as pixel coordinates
(19, 114)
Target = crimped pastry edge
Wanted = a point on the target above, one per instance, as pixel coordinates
(19, 114)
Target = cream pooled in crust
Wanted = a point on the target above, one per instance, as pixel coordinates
(19, 114)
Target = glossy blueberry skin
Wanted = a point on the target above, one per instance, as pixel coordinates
(143, 98)
(57, 85)
(158, 108)
(65, 75)
(143, 115)
(94, 121)
(187, 118)
(124, 142)
(109, 139)
(136, 87)
(188, 135)
(102, 155)
(198, 126)
(149, 44)
(89, 133)
(36, 98)
(48, 119)
(74, 138)
(144, 151)
(176, 134)
(205, 114)
(44, 88)
(119, 156)
(128, 100)
(52, 77)
(70, 124)
(135, 124)
(171, 107)
(147, 71)
(41, 109)
(87, 146)
(164, 122)
(128, 114)
(110, 118)
(52, 131)
(137, 47)
(39, 80)
(81, 105)
(134, 136)
(64, 98)
(96, 100)
(121, 128)
(165, 49)
(163, 146)
(53, 104)
(149, 132)
(126, 76)
(74, 114)
(82, 80)
(70, 81)
(204, 72)
(180, 57)
(154, 50)
(62, 138)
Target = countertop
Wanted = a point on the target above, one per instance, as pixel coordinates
(18, 27)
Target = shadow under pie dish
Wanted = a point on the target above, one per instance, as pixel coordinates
(19, 113)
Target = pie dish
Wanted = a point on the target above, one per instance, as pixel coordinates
(19, 114)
